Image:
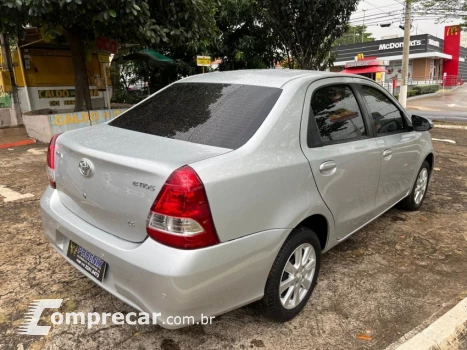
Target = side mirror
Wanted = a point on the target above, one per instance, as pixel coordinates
(421, 123)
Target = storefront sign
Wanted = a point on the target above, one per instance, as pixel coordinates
(366, 63)
(70, 121)
(391, 46)
(63, 93)
(203, 61)
(106, 45)
(103, 57)
(433, 42)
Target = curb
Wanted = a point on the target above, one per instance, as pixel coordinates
(422, 96)
(449, 126)
(448, 332)
(17, 143)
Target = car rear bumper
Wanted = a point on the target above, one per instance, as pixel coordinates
(154, 278)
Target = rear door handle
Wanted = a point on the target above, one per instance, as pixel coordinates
(387, 154)
(328, 168)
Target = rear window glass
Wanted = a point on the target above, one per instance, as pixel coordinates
(222, 115)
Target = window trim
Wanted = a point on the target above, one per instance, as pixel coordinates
(313, 135)
(407, 126)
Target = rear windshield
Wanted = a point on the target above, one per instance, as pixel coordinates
(222, 115)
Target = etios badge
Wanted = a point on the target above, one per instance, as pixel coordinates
(85, 167)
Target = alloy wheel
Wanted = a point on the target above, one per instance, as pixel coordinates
(420, 186)
(297, 276)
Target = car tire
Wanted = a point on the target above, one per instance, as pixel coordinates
(413, 201)
(274, 303)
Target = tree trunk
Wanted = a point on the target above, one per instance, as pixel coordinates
(115, 73)
(82, 94)
(6, 53)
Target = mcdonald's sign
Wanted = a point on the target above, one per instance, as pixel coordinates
(359, 57)
(453, 30)
(452, 42)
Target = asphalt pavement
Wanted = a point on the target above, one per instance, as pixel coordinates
(453, 116)
(444, 106)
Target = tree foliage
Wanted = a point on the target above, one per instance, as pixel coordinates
(308, 28)
(12, 16)
(140, 22)
(353, 35)
(446, 9)
(244, 40)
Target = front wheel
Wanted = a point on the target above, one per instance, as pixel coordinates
(293, 276)
(415, 199)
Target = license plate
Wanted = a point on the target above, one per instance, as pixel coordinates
(92, 264)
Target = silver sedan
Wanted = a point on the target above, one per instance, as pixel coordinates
(225, 189)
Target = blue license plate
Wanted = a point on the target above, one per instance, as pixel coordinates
(92, 264)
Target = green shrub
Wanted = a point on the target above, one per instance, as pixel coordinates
(425, 89)
(411, 93)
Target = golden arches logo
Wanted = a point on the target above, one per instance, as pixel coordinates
(360, 56)
(453, 30)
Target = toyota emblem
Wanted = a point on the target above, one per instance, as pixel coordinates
(85, 167)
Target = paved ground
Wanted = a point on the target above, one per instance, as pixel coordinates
(8, 135)
(449, 101)
(402, 271)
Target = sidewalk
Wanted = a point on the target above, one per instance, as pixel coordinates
(13, 137)
(454, 101)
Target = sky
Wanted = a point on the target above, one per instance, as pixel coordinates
(387, 11)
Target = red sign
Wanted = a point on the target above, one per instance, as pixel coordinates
(106, 45)
(452, 43)
(365, 63)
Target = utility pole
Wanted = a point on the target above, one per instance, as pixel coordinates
(17, 118)
(363, 27)
(405, 55)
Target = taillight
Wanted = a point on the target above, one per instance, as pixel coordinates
(51, 160)
(180, 216)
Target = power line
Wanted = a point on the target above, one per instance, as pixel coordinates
(376, 8)
(377, 16)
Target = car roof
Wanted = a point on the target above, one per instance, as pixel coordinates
(262, 77)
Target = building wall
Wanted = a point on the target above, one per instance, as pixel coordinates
(44, 67)
(463, 65)
(421, 68)
(50, 80)
(464, 40)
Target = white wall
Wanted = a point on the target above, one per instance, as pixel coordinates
(43, 103)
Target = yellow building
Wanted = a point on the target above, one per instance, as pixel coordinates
(43, 72)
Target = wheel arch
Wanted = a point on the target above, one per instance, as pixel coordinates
(430, 158)
(318, 223)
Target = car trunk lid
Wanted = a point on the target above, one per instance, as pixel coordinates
(110, 176)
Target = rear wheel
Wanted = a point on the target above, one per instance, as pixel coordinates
(415, 199)
(293, 276)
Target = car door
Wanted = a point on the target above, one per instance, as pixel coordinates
(344, 157)
(400, 146)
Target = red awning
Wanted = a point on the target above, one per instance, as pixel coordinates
(361, 70)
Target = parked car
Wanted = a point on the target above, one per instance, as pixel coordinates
(225, 189)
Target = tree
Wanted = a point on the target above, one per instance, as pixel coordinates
(142, 22)
(190, 27)
(81, 22)
(354, 35)
(308, 28)
(446, 9)
(12, 16)
(243, 40)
